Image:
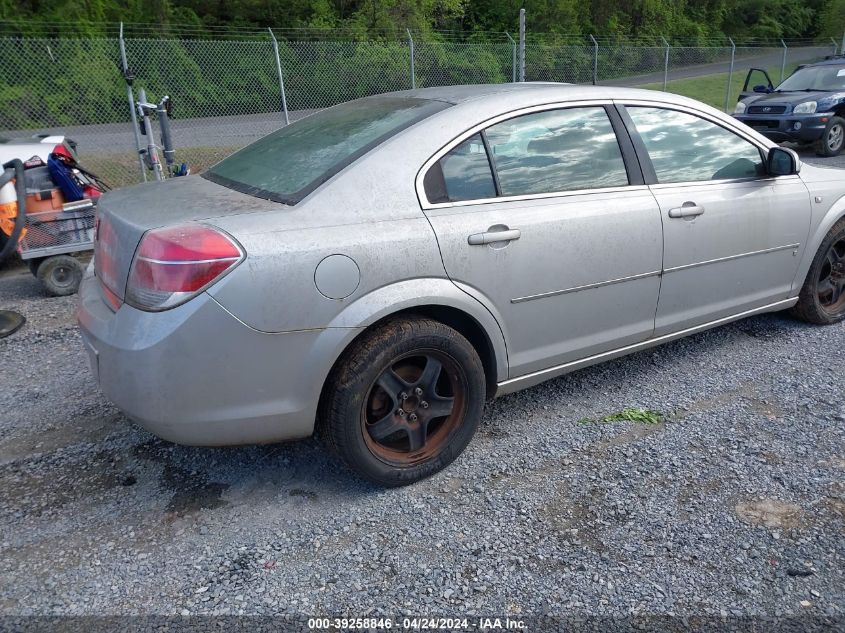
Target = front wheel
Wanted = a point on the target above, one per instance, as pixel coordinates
(833, 139)
(404, 401)
(822, 297)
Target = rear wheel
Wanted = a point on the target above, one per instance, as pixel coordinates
(61, 275)
(404, 402)
(822, 298)
(833, 139)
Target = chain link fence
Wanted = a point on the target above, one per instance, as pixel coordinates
(228, 92)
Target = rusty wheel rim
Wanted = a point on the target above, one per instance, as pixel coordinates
(831, 283)
(414, 408)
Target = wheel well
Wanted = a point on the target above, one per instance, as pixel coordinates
(456, 319)
(470, 329)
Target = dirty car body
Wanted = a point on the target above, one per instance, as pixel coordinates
(550, 226)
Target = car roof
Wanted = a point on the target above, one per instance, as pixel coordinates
(830, 61)
(539, 91)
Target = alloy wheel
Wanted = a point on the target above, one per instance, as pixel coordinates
(414, 407)
(830, 286)
(835, 137)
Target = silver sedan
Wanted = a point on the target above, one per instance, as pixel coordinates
(376, 271)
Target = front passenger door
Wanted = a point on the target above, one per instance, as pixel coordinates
(733, 236)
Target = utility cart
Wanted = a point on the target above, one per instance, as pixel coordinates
(47, 214)
(55, 241)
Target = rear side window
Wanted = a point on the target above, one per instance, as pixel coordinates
(557, 150)
(462, 174)
(289, 164)
(687, 148)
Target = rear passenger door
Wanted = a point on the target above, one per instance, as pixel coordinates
(543, 216)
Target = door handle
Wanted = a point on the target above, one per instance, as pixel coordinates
(491, 237)
(686, 210)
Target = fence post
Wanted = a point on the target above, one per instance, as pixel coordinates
(281, 77)
(665, 65)
(131, 98)
(513, 61)
(730, 75)
(411, 49)
(595, 60)
(783, 63)
(522, 44)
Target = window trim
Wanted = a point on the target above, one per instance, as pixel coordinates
(491, 160)
(645, 158)
(607, 104)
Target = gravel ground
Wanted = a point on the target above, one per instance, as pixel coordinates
(734, 506)
(809, 156)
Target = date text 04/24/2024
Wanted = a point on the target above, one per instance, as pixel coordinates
(417, 624)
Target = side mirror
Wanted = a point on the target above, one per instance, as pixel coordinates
(782, 162)
(762, 88)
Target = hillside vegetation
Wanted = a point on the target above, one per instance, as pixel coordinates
(693, 21)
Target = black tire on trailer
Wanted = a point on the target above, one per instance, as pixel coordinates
(60, 275)
(822, 297)
(404, 400)
(34, 264)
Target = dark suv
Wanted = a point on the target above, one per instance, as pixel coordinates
(807, 107)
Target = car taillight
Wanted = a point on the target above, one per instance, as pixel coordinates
(175, 263)
(105, 266)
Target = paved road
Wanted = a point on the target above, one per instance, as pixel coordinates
(744, 61)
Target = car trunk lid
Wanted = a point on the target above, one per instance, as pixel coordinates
(123, 216)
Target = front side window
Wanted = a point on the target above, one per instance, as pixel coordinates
(687, 148)
(556, 150)
(290, 163)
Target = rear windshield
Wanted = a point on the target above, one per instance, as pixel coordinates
(287, 165)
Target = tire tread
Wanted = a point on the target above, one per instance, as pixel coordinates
(332, 428)
(808, 309)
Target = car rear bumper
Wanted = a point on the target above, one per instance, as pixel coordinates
(197, 375)
(798, 128)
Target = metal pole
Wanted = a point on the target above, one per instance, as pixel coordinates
(730, 75)
(166, 135)
(513, 62)
(281, 77)
(411, 47)
(131, 98)
(665, 65)
(152, 150)
(841, 48)
(595, 60)
(783, 62)
(835, 45)
(522, 44)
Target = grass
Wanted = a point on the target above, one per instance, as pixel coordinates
(710, 89)
(631, 414)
